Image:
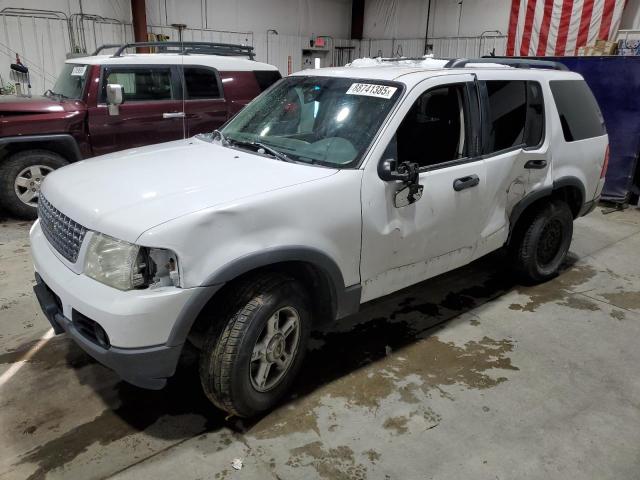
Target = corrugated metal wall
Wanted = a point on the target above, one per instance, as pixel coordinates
(44, 42)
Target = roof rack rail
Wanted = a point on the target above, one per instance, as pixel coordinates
(400, 59)
(185, 48)
(509, 61)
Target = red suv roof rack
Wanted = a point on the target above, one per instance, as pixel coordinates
(185, 48)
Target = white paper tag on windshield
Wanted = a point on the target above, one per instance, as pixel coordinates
(371, 90)
(78, 71)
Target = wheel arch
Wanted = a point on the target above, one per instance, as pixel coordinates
(569, 189)
(316, 270)
(62, 144)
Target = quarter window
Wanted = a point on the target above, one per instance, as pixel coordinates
(201, 83)
(142, 84)
(579, 112)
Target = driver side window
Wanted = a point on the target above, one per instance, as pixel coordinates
(434, 130)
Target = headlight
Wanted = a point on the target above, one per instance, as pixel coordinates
(126, 266)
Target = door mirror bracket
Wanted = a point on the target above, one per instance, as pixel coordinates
(409, 174)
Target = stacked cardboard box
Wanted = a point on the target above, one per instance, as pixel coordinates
(601, 47)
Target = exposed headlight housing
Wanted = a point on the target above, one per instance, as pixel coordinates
(127, 266)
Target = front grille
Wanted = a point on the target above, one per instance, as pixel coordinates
(64, 234)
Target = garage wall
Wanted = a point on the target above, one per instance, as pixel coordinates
(288, 17)
(44, 42)
(392, 27)
(449, 18)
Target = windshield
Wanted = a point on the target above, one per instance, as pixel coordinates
(70, 83)
(325, 120)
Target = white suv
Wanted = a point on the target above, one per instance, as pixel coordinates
(332, 188)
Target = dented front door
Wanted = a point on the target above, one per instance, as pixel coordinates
(403, 246)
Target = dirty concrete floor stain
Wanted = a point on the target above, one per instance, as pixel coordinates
(180, 410)
(557, 290)
(333, 463)
(438, 364)
(617, 314)
(628, 300)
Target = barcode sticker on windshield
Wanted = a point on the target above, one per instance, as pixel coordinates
(78, 71)
(371, 90)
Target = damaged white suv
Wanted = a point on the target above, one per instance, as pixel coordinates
(332, 188)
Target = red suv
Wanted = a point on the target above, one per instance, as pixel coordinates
(105, 103)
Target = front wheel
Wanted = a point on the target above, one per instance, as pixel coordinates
(20, 178)
(251, 357)
(540, 245)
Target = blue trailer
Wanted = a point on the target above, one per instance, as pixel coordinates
(615, 82)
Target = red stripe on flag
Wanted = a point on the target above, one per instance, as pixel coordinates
(585, 21)
(563, 29)
(513, 26)
(544, 28)
(528, 26)
(607, 15)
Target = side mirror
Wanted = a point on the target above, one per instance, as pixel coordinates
(115, 98)
(406, 172)
(388, 171)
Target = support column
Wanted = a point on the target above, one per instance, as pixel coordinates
(139, 18)
(357, 19)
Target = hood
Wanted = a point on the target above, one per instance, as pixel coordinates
(126, 193)
(12, 104)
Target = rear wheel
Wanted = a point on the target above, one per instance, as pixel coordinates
(20, 178)
(541, 243)
(252, 355)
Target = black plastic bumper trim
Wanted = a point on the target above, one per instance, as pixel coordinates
(147, 367)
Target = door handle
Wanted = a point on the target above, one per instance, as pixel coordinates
(173, 115)
(536, 164)
(465, 182)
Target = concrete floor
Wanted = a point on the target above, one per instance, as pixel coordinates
(463, 376)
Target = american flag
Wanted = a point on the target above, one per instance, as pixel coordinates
(560, 27)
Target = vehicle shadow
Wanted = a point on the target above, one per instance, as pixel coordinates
(393, 322)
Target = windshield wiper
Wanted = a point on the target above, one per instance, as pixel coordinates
(273, 151)
(266, 148)
(52, 93)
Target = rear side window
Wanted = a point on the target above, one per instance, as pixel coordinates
(201, 83)
(266, 78)
(579, 112)
(142, 84)
(515, 114)
(507, 114)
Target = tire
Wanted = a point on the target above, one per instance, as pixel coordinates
(541, 242)
(22, 173)
(229, 374)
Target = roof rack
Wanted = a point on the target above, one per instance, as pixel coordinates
(185, 48)
(401, 59)
(511, 62)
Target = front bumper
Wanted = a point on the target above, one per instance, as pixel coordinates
(143, 367)
(140, 325)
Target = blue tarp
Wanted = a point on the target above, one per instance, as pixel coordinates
(615, 82)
